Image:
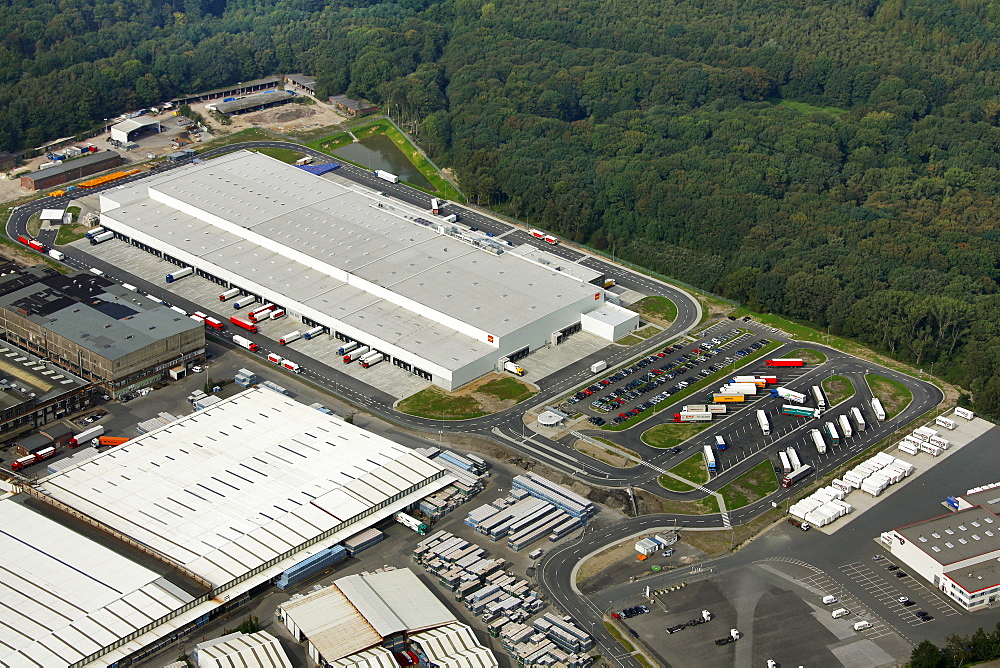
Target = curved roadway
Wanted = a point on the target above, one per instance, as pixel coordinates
(555, 571)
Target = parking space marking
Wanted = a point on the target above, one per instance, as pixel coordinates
(933, 600)
(822, 582)
(886, 592)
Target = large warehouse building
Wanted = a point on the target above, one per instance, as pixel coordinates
(218, 505)
(71, 170)
(432, 300)
(97, 329)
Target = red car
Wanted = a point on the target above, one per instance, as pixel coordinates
(605, 382)
(661, 354)
(587, 392)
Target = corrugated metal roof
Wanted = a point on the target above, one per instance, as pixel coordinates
(332, 623)
(212, 488)
(65, 595)
(454, 646)
(252, 650)
(376, 657)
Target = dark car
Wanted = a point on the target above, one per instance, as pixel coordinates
(675, 450)
(892, 567)
(731, 317)
(901, 574)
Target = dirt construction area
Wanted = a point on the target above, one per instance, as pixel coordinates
(287, 118)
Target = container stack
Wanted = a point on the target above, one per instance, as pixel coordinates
(363, 541)
(312, 566)
(822, 507)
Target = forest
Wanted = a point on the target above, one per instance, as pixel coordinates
(835, 163)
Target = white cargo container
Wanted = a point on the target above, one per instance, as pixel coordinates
(859, 418)
(817, 438)
(844, 505)
(739, 388)
(598, 367)
(942, 421)
(930, 449)
(877, 409)
(845, 426)
(765, 426)
(288, 338)
(243, 302)
(925, 433)
(964, 413)
(786, 466)
(908, 448)
(793, 458)
(942, 443)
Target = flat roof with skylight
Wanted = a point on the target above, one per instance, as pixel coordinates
(955, 537)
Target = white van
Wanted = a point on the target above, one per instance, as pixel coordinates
(841, 612)
(827, 600)
(862, 625)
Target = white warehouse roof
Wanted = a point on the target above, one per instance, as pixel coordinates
(338, 253)
(66, 596)
(358, 611)
(237, 650)
(228, 489)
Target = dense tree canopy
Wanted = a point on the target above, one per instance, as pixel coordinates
(834, 162)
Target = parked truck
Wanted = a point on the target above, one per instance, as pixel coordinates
(86, 436)
(94, 232)
(372, 359)
(845, 426)
(739, 388)
(598, 367)
(689, 416)
(796, 475)
(788, 395)
(57, 255)
(435, 205)
(291, 366)
(784, 362)
(41, 455)
(101, 238)
(313, 333)
(759, 382)
(786, 465)
(214, 324)
(793, 458)
(859, 418)
(179, 274)
(709, 458)
(245, 343)
(877, 409)
(262, 313)
(288, 338)
(411, 523)
(277, 313)
(386, 176)
(720, 443)
(818, 395)
(229, 294)
(817, 438)
(765, 426)
(728, 397)
(357, 353)
(274, 358)
(243, 302)
(513, 368)
(245, 324)
(800, 411)
(347, 347)
(831, 431)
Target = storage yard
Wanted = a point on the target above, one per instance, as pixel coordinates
(430, 320)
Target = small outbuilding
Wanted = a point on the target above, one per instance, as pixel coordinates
(133, 128)
(610, 322)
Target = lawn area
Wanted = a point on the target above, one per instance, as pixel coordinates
(674, 485)
(69, 233)
(837, 389)
(331, 143)
(286, 155)
(706, 505)
(436, 404)
(629, 340)
(894, 396)
(693, 469)
(483, 397)
(656, 308)
(804, 108)
(755, 484)
(695, 388)
(647, 332)
(73, 211)
(807, 355)
(672, 434)
(504, 389)
(250, 134)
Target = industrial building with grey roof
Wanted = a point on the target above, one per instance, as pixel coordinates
(97, 329)
(438, 301)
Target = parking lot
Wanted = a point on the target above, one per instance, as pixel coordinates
(619, 397)
(778, 611)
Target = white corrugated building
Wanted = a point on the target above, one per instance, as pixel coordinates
(232, 496)
(239, 650)
(361, 619)
(391, 277)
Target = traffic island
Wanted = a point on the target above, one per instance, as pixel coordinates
(838, 389)
(755, 484)
(895, 396)
(807, 355)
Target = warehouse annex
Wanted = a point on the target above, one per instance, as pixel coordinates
(339, 257)
(218, 505)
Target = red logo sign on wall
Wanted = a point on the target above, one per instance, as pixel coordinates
(489, 337)
(597, 296)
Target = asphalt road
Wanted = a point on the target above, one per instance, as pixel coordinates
(555, 570)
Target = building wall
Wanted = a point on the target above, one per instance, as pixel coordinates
(914, 557)
(147, 364)
(29, 181)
